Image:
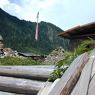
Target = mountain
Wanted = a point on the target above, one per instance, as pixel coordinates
(20, 35)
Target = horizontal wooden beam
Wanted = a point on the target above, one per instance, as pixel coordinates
(32, 72)
(21, 86)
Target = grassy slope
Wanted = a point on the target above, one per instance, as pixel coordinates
(18, 61)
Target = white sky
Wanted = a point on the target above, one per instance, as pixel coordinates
(63, 13)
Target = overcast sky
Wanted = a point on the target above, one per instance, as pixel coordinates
(63, 13)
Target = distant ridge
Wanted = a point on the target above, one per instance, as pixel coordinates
(20, 35)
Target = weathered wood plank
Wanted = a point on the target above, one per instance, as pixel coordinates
(7, 93)
(70, 77)
(45, 89)
(91, 90)
(22, 86)
(31, 66)
(82, 86)
(93, 70)
(32, 72)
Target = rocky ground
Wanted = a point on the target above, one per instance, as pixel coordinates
(55, 56)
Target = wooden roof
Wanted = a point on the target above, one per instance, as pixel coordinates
(83, 31)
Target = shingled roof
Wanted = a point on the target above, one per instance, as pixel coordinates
(83, 31)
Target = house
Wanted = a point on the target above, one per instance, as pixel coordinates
(79, 33)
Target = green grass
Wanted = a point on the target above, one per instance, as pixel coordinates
(18, 61)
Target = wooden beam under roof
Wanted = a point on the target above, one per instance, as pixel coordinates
(79, 31)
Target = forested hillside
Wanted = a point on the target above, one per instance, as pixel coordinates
(20, 35)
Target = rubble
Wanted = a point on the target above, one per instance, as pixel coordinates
(55, 56)
(8, 52)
